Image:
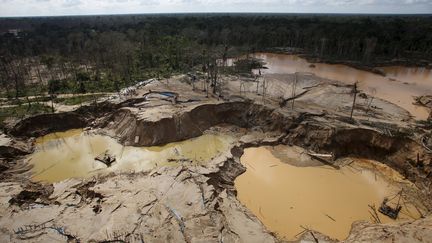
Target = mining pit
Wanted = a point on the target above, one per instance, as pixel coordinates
(240, 166)
(323, 198)
(71, 154)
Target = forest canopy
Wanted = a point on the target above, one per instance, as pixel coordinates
(93, 53)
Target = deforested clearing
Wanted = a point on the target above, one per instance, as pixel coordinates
(193, 128)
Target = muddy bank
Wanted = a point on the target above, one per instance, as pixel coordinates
(417, 231)
(425, 101)
(370, 66)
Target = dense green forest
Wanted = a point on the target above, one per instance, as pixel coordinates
(104, 53)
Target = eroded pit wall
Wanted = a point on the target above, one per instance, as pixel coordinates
(40, 125)
(358, 142)
(130, 130)
(325, 135)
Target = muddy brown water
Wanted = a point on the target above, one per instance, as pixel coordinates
(71, 154)
(399, 86)
(289, 196)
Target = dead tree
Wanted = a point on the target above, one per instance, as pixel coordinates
(372, 94)
(354, 92)
(264, 86)
(193, 79)
(294, 90)
(52, 103)
(242, 85)
(283, 102)
(257, 81)
(213, 73)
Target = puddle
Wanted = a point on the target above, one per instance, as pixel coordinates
(71, 154)
(289, 196)
(399, 86)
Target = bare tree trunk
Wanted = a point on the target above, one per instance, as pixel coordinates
(207, 87)
(16, 81)
(52, 103)
(294, 90)
(354, 100)
(29, 103)
(257, 81)
(39, 73)
(264, 85)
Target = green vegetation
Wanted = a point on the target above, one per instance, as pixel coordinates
(21, 111)
(77, 100)
(68, 86)
(105, 53)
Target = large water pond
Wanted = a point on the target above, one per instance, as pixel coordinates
(399, 86)
(71, 154)
(291, 195)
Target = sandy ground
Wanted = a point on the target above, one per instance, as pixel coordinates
(321, 95)
(167, 204)
(183, 203)
(4, 139)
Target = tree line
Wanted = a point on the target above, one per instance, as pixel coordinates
(104, 53)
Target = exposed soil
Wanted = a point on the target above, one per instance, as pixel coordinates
(197, 203)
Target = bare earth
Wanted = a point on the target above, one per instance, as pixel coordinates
(198, 203)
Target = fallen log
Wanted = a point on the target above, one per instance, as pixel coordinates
(324, 161)
(321, 155)
(285, 101)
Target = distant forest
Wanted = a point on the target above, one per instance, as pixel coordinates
(104, 53)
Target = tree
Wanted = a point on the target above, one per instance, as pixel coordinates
(372, 92)
(354, 92)
(370, 44)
